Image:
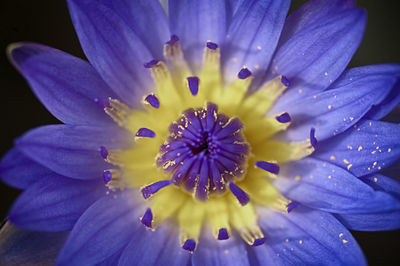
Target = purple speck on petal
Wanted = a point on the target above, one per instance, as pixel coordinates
(189, 245)
(244, 73)
(107, 176)
(241, 196)
(103, 102)
(223, 234)
(292, 205)
(152, 100)
(283, 118)
(151, 63)
(151, 189)
(145, 133)
(313, 139)
(212, 46)
(193, 83)
(147, 218)
(269, 167)
(103, 152)
(285, 81)
(259, 241)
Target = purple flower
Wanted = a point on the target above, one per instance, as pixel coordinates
(232, 132)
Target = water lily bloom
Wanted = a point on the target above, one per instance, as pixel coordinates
(206, 133)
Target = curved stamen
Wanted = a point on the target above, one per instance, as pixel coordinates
(151, 64)
(145, 133)
(313, 139)
(107, 176)
(259, 241)
(147, 218)
(292, 205)
(244, 73)
(103, 152)
(151, 189)
(193, 84)
(223, 234)
(241, 196)
(283, 118)
(152, 100)
(189, 245)
(285, 81)
(212, 46)
(273, 168)
(173, 40)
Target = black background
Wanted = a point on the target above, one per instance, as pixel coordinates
(48, 22)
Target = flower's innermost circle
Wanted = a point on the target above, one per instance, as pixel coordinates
(204, 151)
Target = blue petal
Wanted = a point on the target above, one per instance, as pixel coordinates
(111, 260)
(19, 171)
(195, 23)
(71, 150)
(112, 47)
(160, 247)
(54, 203)
(105, 227)
(66, 85)
(21, 247)
(392, 99)
(383, 183)
(385, 107)
(233, 6)
(324, 186)
(379, 221)
(306, 237)
(220, 252)
(147, 19)
(314, 11)
(346, 102)
(363, 149)
(317, 54)
(253, 35)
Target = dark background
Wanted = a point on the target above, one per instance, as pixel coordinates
(48, 22)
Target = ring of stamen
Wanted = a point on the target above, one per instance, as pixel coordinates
(204, 152)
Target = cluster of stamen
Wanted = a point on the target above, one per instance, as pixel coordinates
(205, 151)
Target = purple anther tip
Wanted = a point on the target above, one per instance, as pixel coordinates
(223, 234)
(212, 46)
(313, 139)
(107, 176)
(151, 189)
(285, 81)
(283, 118)
(241, 196)
(269, 167)
(189, 245)
(103, 102)
(173, 39)
(244, 73)
(103, 152)
(147, 218)
(151, 63)
(193, 83)
(152, 100)
(258, 242)
(145, 133)
(292, 205)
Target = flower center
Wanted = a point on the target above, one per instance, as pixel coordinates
(204, 151)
